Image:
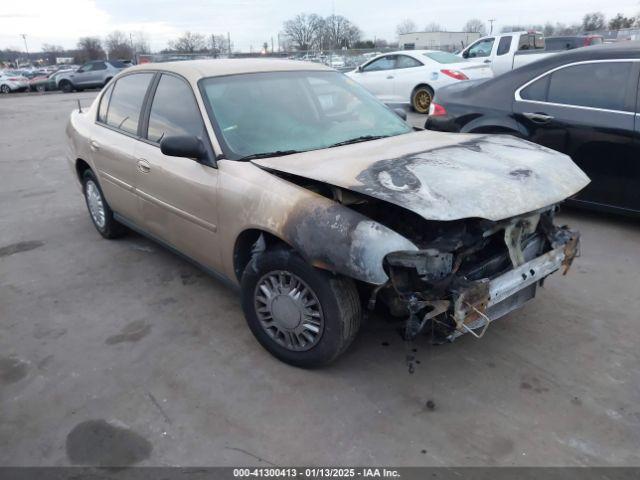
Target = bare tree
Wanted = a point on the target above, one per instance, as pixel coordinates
(406, 26)
(548, 29)
(620, 21)
(593, 21)
(218, 44)
(475, 26)
(89, 48)
(433, 27)
(51, 52)
(119, 46)
(303, 30)
(141, 43)
(340, 31)
(188, 43)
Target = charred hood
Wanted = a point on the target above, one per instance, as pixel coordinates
(444, 176)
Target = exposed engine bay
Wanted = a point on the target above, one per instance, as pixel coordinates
(465, 273)
(463, 280)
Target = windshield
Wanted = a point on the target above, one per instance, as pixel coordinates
(287, 112)
(444, 57)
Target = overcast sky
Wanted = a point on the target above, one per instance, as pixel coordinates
(252, 22)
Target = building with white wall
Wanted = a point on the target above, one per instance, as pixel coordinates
(449, 41)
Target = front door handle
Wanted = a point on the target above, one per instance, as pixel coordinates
(143, 166)
(93, 145)
(487, 61)
(538, 117)
(390, 77)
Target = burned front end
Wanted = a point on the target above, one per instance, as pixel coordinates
(468, 273)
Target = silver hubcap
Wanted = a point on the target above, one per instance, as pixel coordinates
(95, 204)
(288, 310)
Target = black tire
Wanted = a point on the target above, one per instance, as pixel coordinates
(65, 86)
(5, 89)
(336, 295)
(418, 102)
(111, 228)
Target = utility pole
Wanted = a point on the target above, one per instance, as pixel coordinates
(491, 20)
(271, 45)
(24, 37)
(229, 43)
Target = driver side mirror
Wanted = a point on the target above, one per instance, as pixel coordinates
(80, 70)
(465, 54)
(360, 68)
(186, 146)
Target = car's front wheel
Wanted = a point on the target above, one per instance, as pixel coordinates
(65, 86)
(302, 315)
(99, 210)
(5, 89)
(421, 98)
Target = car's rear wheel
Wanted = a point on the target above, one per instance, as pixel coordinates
(99, 210)
(421, 98)
(41, 88)
(65, 86)
(303, 316)
(5, 89)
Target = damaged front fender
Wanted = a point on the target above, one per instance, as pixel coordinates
(336, 238)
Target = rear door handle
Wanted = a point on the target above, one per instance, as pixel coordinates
(143, 166)
(93, 145)
(487, 61)
(389, 77)
(538, 117)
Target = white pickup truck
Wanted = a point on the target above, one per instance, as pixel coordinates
(507, 51)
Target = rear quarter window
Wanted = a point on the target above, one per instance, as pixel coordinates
(443, 57)
(104, 104)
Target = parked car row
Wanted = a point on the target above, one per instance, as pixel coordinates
(93, 74)
(583, 102)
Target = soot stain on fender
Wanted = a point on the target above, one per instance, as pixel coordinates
(322, 234)
(521, 173)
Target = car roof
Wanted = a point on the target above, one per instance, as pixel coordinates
(197, 69)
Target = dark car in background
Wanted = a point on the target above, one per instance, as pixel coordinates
(569, 42)
(583, 103)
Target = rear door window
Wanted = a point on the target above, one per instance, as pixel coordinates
(126, 101)
(174, 110)
(597, 85)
